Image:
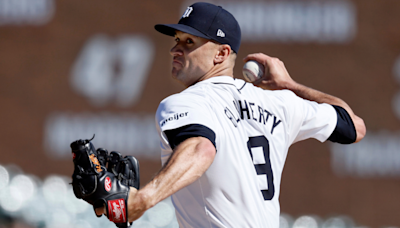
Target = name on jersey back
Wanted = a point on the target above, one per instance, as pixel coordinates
(252, 111)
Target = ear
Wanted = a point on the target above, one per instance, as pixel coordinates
(223, 53)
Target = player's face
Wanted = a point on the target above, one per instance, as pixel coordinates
(193, 57)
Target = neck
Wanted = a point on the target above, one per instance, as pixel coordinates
(218, 70)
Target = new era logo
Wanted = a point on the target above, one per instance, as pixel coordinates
(187, 12)
(220, 33)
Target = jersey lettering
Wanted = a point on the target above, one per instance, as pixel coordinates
(250, 109)
(230, 116)
(252, 112)
(275, 123)
(243, 110)
(265, 167)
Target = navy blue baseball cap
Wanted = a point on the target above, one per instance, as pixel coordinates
(207, 21)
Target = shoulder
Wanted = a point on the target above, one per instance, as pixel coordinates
(279, 98)
(297, 106)
(284, 94)
(188, 106)
(192, 95)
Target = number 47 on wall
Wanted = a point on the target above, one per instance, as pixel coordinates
(113, 70)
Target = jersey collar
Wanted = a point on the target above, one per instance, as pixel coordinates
(237, 83)
(219, 79)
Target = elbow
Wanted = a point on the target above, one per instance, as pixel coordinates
(206, 151)
(361, 129)
(209, 150)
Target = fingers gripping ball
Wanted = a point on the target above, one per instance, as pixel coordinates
(93, 183)
(252, 71)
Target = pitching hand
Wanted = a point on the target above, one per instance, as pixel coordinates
(276, 76)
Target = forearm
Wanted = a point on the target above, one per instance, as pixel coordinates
(187, 163)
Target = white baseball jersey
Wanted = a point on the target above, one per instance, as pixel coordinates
(254, 129)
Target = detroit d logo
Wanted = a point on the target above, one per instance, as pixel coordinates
(187, 12)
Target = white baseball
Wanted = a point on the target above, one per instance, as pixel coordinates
(253, 70)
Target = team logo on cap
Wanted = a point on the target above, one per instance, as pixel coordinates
(187, 12)
(220, 33)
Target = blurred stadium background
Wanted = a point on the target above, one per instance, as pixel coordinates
(71, 69)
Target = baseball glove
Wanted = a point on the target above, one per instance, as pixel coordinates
(104, 180)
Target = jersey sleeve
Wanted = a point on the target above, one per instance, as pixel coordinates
(184, 112)
(308, 119)
(345, 132)
(178, 135)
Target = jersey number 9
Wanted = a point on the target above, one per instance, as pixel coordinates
(259, 151)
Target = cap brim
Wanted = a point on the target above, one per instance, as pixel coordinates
(170, 30)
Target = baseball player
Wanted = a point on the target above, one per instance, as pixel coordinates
(224, 141)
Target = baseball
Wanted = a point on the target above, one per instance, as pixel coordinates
(253, 70)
